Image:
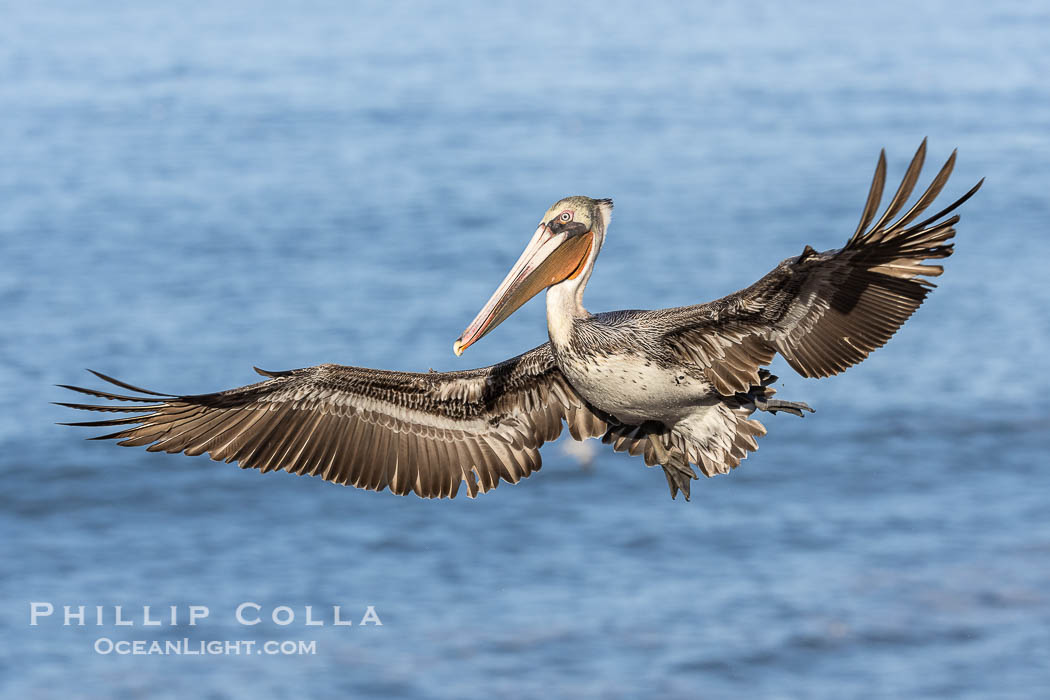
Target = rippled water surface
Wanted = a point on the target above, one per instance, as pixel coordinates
(187, 191)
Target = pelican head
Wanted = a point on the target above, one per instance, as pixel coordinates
(563, 246)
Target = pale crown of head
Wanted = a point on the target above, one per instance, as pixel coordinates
(593, 213)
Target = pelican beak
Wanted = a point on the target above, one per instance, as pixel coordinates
(549, 258)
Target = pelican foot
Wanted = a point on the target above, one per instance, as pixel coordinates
(678, 477)
(678, 472)
(773, 405)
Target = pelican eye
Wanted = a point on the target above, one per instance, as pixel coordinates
(565, 216)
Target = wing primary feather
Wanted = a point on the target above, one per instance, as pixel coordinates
(927, 197)
(125, 385)
(947, 210)
(107, 409)
(231, 421)
(906, 187)
(111, 397)
(874, 197)
(258, 436)
(235, 446)
(171, 441)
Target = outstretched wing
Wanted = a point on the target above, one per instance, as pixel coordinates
(826, 311)
(411, 433)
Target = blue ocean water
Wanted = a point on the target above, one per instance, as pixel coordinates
(188, 190)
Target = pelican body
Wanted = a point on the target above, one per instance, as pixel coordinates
(676, 386)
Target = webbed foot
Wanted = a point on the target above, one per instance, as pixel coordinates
(773, 405)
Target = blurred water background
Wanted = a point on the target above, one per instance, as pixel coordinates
(190, 189)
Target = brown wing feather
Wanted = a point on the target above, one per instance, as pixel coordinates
(411, 433)
(825, 312)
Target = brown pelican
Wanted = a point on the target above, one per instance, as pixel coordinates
(677, 386)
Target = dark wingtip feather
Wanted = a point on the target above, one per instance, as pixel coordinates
(948, 209)
(110, 436)
(911, 177)
(107, 409)
(874, 197)
(125, 385)
(109, 396)
(81, 406)
(272, 374)
(130, 420)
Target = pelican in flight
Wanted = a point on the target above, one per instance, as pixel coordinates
(676, 386)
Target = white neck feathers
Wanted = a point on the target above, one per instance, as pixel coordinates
(565, 299)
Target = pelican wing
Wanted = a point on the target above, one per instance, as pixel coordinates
(411, 433)
(826, 311)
